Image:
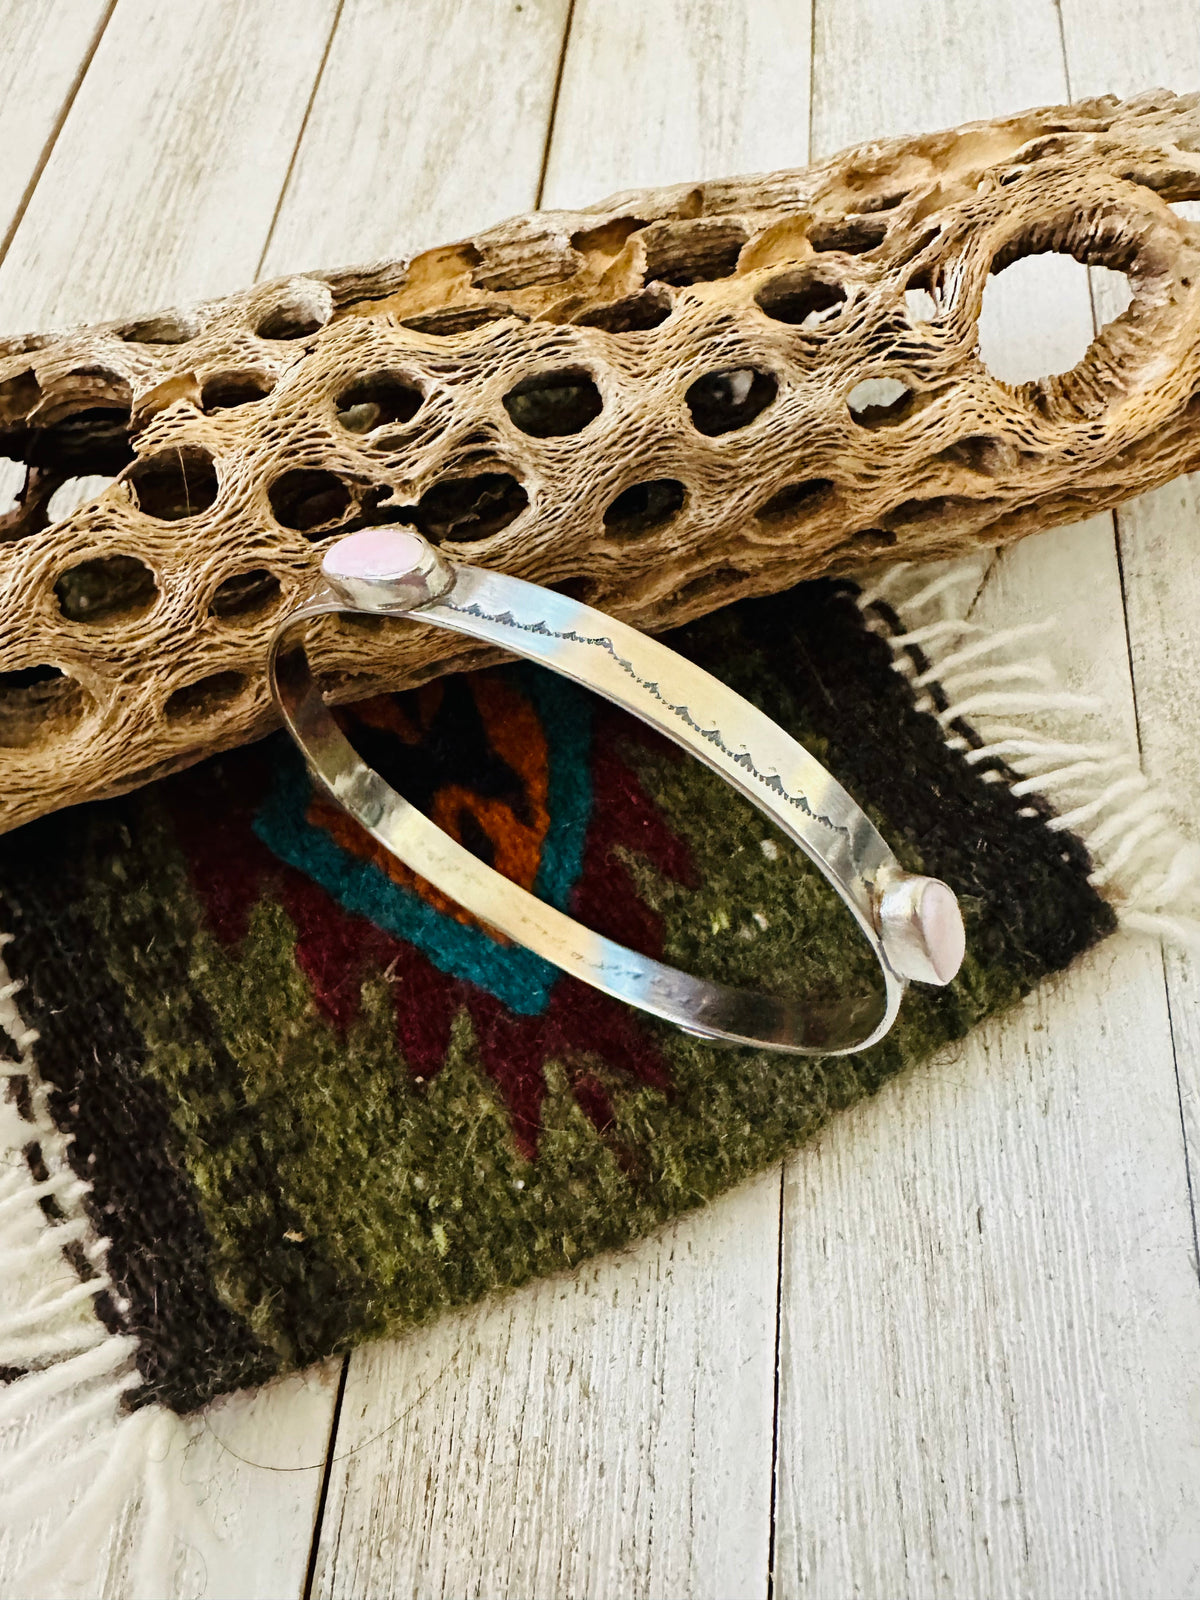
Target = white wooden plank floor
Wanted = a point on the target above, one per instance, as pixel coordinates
(954, 1349)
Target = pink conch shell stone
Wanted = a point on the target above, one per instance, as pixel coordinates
(922, 928)
(375, 553)
(941, 925)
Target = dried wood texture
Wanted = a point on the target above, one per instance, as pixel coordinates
(665, 402)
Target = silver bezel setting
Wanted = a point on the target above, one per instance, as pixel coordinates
(410, 584)
(391, 570)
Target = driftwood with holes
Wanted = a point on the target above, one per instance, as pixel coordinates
(664, 403)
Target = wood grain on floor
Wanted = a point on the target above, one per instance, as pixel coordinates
(957, 1353)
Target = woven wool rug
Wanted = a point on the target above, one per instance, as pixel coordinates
(271, 1096)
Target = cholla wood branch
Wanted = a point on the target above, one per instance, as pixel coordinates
(666, 402)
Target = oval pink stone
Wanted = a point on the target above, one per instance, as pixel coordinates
(942, 931)
(375, 553)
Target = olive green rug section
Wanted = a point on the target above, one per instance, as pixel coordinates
(316, 1105)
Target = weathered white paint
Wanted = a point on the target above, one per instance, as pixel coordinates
(161, 186)
(991, 1313)
(992, 1325)
(991, 1263)
(678, 90)
(44, 46)
(429, 122)
(1140, 45)
(1160, 551)
(606, 1435)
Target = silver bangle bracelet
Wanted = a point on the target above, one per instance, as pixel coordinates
(912, 923)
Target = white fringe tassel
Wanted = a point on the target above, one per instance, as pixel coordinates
(1144, 864)
(78, 1471)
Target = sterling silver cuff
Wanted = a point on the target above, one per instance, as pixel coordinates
(912, 923)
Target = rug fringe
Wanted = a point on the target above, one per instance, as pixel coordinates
(1008, 712)
(76, 1464)
(79, 1468)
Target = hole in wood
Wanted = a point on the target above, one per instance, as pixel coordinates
(504, 270)
(719, 581)
(70, 456)
(700, 251)
(175, 484)
(245, 594)
(1036, 317)
(90, 443)
(584, 590)
(880, 402)
(21, 678)
(853, 236)
(384, 397)
(609, 239)
(36, 703)
(470, 508)
(72, 494)
(643, 506)
(304, 311)
(634, 314)
(722, 401)
(871, 539)
(19, 396)
(106, 589)
(443, 324)
(550, 405)
(923, 513)
(168, 327)
(799, 298)
(914, 246)
(372, 511)
(868, 204)
(12, 481)
(224, 390)
(205, 697)
(796, 500)
(309, 500)
(22, 501)
(919, 305)
(28, 677)
(979, 452)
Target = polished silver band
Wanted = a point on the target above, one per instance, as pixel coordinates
(912, 923)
